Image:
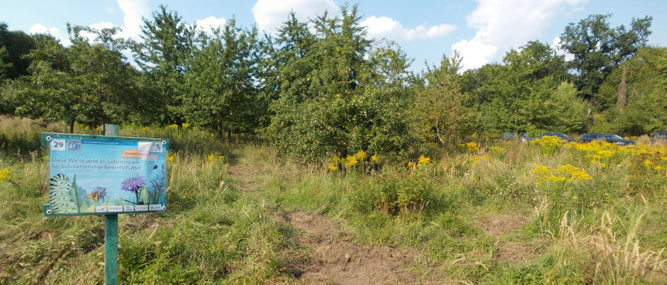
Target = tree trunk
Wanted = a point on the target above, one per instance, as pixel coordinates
(622, 98)
(71, 126)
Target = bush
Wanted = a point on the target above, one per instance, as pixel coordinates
(394, 194)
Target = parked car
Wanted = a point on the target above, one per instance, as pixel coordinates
(561, 136)
(610, 138)
(512, 136)
(660, 137)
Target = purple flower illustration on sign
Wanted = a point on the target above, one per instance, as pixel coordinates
(133, 184)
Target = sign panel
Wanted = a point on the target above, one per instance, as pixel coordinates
(96, 175)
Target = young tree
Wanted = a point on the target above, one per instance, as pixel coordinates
(440, 105)
(330, 102)
(221, 92)
(166, 44)
(85, 83)
(599, 49)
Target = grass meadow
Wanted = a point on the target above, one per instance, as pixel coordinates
(492, 212)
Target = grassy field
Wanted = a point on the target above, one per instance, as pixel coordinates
(498, 213)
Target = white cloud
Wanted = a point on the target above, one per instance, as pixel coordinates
(209, 24)
(555, 45)
(53, 31)
(270, 14)
(385, 27)
(98, 26)
(133, 11)
(505, 24)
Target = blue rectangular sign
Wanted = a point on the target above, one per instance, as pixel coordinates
(105, 175)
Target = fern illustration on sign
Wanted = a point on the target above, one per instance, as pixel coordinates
(62, 195)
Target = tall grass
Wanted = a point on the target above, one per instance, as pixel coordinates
(480, 216)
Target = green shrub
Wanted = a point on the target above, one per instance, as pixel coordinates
(394, 194)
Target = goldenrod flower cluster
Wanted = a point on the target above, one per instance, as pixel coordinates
(471, 147)
(564, 173)
(350, 161)
(475, 159)
(496, 149)
(422, 160)
(216, 157)
(549, 144)
(650, 156)
(4, 174)
(170, 158)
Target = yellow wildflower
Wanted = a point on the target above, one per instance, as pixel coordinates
(374, 158)
(145, 128)
(423, 160)
(351, 161)
(211, 157)
(657, 168)
(4, 174)
(170, 158)
(471, 147)
(172, 126)
(411, 164)
(360, 155)
(496, 149)
(186, 125)
(648, 162)
(332, 167)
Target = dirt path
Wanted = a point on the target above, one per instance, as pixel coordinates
(337, 260)
(332, 257)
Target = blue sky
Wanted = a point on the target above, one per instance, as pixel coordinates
(481, 30)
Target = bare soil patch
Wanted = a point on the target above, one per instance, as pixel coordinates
(337, 260)
(515, 252)
(502, 224)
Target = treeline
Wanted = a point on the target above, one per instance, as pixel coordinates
(322, 88)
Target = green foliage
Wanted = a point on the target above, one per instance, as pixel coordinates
(85, 83)
(14, 46)
(440, 106)
(329, 101)
(393, 194)
(163, 53)
(528, 93)
(643, 86)
(221, 93)
(598, 49)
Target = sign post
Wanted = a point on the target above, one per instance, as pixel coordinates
(111, 232)
(106, 175)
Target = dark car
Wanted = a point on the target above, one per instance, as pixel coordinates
(659, 137)
(512, 136)
(561, 136)
(610, 138)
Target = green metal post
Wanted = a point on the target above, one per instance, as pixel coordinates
(111, 232)
(111, 249)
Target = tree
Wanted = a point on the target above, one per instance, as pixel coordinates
(163, 54)
(14, 45)
(221, 92)
(643, 79)
(599, 49)
(330, 101)
(526, 93)
(85, 83)
(103, 78)
(440, 105)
